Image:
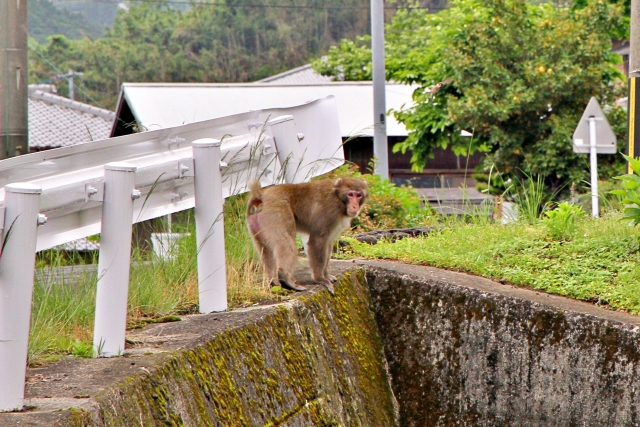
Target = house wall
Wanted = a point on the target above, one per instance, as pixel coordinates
(445, 169)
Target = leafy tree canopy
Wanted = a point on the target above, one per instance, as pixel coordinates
(516, 75)
(231, 41)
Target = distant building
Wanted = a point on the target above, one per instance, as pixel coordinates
(300, 75)
(56, 121)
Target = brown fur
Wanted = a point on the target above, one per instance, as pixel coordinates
(321, 209)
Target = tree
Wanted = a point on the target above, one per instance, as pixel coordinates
(516, 75)
(46, 19)
(229, 41)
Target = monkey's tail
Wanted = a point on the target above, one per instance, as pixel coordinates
(255, 197)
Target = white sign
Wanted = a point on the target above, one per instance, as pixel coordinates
(605, 138)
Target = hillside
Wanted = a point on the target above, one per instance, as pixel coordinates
(45, 19)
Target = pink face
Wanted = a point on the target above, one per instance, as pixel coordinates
(354, 202)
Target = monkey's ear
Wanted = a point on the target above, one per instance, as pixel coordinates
(337, 183)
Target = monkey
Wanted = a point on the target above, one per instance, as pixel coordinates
(320, 209)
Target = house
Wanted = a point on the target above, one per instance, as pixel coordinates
(161, 105)
(56, 121)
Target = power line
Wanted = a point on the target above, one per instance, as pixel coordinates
(263, 6)
(57, 70)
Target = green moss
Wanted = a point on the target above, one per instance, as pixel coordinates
(358, 329)
(318, 361)
(79, 418)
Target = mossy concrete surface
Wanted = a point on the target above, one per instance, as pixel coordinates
(466, 351)
(456, 350)
(313, 361)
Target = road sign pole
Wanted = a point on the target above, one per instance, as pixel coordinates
(601, 140)
(594, 167)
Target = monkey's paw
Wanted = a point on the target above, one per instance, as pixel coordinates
(288, 283)
(333, 279)
(327, 284)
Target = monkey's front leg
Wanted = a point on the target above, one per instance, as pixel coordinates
(318, 261)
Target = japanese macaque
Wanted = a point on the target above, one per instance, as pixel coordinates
(320, 209)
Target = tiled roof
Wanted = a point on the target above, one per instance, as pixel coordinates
(80, 245)
(300, 75)
(56, 121)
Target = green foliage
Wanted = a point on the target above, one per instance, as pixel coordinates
(530, 196)
(515, 74)
(630, 193)
(153, 42)
(388, 205)
(561, 221)
(351, 60)
(81, 348)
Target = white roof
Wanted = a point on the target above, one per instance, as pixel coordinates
(300, 75)
(163, 105)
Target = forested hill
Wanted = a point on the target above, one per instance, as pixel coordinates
(46, 19)
(226, 41)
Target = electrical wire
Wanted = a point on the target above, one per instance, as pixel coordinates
(253, 5)
(77, 86)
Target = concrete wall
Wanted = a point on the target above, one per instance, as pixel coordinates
(461, 356)
(460, 351)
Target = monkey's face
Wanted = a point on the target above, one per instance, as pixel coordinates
(352, 194)
(355, 200)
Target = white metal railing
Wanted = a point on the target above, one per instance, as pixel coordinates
(53, 197)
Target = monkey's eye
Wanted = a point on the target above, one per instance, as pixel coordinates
(354, 194)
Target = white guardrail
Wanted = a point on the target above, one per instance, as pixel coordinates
(53, 197)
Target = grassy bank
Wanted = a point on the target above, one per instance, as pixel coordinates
(599, 261)
(63, 313)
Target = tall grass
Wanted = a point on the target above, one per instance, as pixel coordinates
(530, 196)
(63, 313)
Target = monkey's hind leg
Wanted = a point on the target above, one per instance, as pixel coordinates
(288, 283)
(268, 262)
(286, 255)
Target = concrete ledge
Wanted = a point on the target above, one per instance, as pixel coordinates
(464, 350)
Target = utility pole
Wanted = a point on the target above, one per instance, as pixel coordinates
(14, 123)
(380, 146)
(69, 78)
(633, 145)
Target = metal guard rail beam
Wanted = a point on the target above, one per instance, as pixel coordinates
(69, 175)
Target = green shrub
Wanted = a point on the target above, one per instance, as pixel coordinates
(530, 195)
(388, 205)
(561, 221)
(631, 191)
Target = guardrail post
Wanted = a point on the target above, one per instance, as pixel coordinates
(114, 259)
(17, 262)
(212, 273)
